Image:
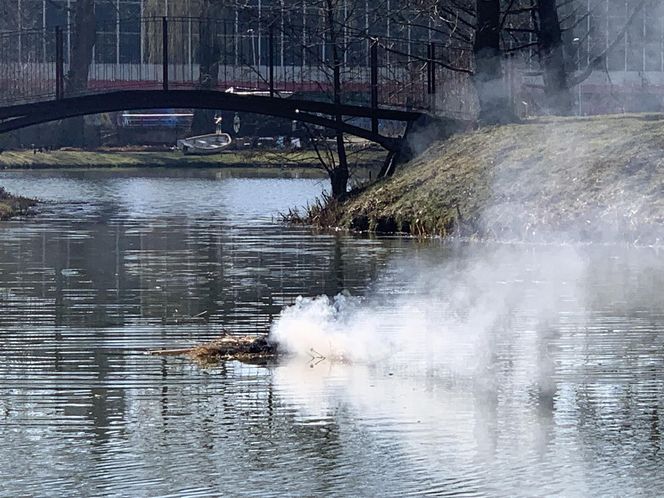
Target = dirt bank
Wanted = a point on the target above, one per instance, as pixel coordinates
(12, 205)
(581, 177)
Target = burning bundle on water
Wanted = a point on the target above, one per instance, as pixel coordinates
(227, 347)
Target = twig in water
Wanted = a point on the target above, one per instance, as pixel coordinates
(316, 358)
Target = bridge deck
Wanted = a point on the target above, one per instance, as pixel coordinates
(40, 81)
(309, 111)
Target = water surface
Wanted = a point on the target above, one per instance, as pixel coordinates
(511, 370)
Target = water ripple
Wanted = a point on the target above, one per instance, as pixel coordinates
(565, 402)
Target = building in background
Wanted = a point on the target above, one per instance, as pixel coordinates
(630, 79)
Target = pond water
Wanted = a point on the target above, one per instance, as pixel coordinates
(481, 370)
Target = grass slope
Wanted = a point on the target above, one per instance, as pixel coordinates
(123, 159)
(12, 205)
(578, 176)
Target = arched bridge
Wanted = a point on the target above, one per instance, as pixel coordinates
(354, 85)
(307, 111)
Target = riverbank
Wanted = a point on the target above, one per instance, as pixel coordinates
(11, 205)
(584, 178)
(28, 159)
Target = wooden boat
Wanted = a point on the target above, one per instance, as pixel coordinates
(205, 144)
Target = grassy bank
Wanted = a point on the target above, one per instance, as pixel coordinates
(11, 206)
(582, 177)
(27, 159)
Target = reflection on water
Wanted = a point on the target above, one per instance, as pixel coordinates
(535, 379)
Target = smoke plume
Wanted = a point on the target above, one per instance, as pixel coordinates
(452, 315)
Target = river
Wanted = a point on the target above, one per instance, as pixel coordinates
(470, 370)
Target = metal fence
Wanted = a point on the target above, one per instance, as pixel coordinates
(192, 53)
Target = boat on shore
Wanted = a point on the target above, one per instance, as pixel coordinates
(203, 145)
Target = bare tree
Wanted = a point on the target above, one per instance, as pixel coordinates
(320, 36)
(209, 57)
(541, 28)
(495, 106)
(83, 42)
(551, 57)
(339, 174)
(599, 58)
(76, 80)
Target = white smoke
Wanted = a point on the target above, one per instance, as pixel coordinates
(452, 315)
(334, 328)
(432, 362)
(480, 341)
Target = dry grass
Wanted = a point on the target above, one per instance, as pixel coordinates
(583, 177)
(323, 212)
(248, 349)
(26, 159)
(11, 206)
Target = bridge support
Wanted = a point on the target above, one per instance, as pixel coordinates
(374, 87)
(271, 59)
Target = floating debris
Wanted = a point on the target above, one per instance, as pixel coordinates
(316, 358)
(186, 320)
(248, 349)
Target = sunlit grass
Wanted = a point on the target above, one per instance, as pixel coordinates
(13, 205)
(584, 175)
(130, 159)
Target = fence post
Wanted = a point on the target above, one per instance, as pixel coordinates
(59, 64)
(432, 75)
(164, 53)
(429, 69)
(271, 59)
(374, 87)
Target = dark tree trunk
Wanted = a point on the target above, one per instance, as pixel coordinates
(76, 82)
(339, 175)
(83, 43)
(339, 172)
(552, 59)
(208, 57)
(495, 106)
